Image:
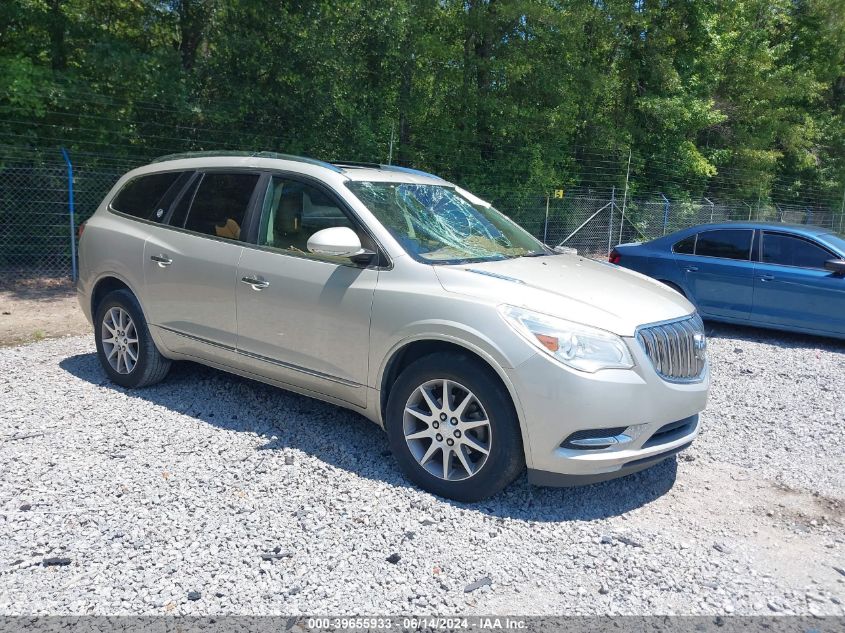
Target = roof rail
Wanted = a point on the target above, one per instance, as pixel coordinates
(406, 170)
(356, 163)
(224, 153)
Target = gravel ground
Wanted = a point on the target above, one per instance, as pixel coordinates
(212, 494)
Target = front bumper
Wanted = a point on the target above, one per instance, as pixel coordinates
(556, 402)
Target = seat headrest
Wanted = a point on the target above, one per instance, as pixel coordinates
(289, 215)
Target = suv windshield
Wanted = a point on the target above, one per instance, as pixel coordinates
(435, 224)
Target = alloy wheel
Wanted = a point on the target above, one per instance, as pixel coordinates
(447, 430)
(120, 340)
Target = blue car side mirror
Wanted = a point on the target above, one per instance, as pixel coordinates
(836, 265)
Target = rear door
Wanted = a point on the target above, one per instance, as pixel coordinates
(190, 265)
(719, 273)
(792, 288)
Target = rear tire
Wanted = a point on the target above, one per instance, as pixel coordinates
(124, 345)
(466, 446)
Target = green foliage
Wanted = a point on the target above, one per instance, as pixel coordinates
(742, 97)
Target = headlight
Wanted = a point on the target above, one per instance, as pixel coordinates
(578, 346)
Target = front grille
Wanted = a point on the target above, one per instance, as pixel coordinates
(675, 348)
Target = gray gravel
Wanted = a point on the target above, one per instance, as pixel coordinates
(212, 494)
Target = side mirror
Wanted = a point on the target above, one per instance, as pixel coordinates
(836, 265)
(339, 241)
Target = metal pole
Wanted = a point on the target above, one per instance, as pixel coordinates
(546, 225)
(712, 207)
(390, 151)
(610, 221)
(583, 224)
(665, 213)
(842, 210)
(72, 210)
(625, 196)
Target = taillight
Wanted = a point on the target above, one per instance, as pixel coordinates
(614, 257)
(80, 230)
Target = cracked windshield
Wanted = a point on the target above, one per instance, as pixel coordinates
(435, 224)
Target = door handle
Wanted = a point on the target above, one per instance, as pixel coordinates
(767, 278)
(692, 269)
(161, 260)
(257, 283)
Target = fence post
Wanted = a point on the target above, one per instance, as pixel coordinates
(625, 196)
(71, 210)
(842, 210)
(712, 208)
(546, 224)
(610, 221)
(665, 213)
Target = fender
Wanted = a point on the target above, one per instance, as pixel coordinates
(471, 340)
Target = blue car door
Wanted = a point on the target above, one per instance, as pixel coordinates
(793, 289)
(719, 273)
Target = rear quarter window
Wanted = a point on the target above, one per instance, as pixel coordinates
(686, 246)
(140, 197)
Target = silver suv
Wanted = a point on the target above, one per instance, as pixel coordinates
(398, 295)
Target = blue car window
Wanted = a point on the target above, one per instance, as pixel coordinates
(790, 250)
(725, 243)
(686, 246)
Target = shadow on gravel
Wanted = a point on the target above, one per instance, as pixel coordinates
(785, 340)
(349, 441)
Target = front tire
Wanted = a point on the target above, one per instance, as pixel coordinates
(124, 345)
(453, 428)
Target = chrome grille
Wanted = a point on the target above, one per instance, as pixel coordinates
(676, 348)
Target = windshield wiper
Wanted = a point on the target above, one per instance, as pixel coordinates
(535, 254)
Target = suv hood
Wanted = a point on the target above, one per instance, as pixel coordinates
(570, 287)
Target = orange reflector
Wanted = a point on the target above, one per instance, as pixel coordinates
(549, 342)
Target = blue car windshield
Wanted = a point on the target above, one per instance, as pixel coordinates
(435, 224)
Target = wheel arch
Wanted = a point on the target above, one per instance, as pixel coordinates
(111, 281)
(104, 285)
(409, 351)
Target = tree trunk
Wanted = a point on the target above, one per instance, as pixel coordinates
(56, 27)
(193, 20)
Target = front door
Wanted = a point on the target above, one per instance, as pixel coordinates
(792, 288)
(190, 267)
(304, 319)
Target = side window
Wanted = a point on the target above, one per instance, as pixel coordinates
(725, 243)
(180, 211)
(788, 250)
(686, 246)
(293, 211)
(220, 204)
(140, 197)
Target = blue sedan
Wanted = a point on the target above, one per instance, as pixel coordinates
(779, 276)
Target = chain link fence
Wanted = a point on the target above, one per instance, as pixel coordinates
(593, 224)
(37, 234)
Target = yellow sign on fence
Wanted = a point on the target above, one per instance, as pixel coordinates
(558, 193)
